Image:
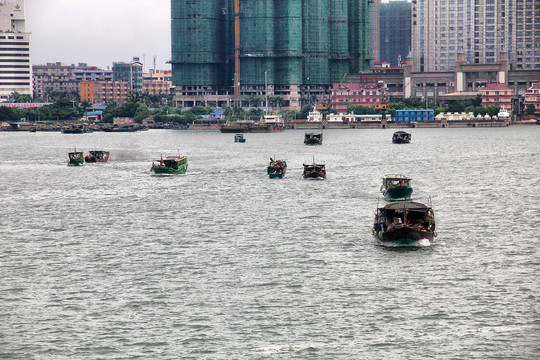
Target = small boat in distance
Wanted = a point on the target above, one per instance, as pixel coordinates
(75, 129)
(75, 158)
(396, 187)
(170, 165)
(97, 156)
(239, 138)
(314, 171)
(313, 138)
(277, 168)
(404, 223)
(401, 137)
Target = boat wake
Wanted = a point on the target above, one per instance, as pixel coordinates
(422, 243)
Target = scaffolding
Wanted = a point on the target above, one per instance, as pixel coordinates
(290, 42)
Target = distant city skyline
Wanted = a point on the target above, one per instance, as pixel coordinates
(100, 32)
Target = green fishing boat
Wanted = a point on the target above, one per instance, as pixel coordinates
(277, 168)
(170, 165)
(75, 158)
(396, 187)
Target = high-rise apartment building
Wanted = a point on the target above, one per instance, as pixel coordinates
(480, 29)
(15, 59)
(287, 48)
(130, 72)
(394, 31)
(526, 54)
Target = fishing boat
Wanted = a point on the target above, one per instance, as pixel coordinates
(401, 137)
(314, 171)
(75, 129)
(404, 223)
(75, 158)
(313, 138)
(239, 138)
(277, 168)
(396, 187)
(170, 165)
(97, 156)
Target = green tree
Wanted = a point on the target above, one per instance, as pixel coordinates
(141, 112)
(9, 114)
(530, 109)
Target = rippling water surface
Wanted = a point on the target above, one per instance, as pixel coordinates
(107, 261)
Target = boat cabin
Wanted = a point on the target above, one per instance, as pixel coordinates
(395, 180)
(408, 213)
(314, 171)
(239, 138)
(401, 137)
(313, 138)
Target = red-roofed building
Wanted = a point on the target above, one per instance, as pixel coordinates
(496, 94)
(365, 94)
(532, 96)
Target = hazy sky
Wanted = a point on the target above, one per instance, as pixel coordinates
(99, 32)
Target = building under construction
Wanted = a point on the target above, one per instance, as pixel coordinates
(245, 50)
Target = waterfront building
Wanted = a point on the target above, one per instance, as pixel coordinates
(414, 115)
(481, 30)
(365, 94)
(394, 32)
(64, 78)
(158, 83)
(104, 92)
(496, 94)
(532, 96)
(441, 87)
(287, 49)
(15, 51)
(130, 72)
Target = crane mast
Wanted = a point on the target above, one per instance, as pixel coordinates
(236, 52)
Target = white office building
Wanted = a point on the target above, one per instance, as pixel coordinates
(15, 55)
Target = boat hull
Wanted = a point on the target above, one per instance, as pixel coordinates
(75, 162)
(403, 235)
(276, 175)
(101, 157)
(398, 192)
(168, 170)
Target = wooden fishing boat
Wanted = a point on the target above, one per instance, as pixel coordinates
(239, 138)
(404, 223)
(75, 129)
(170, 165)
(313, 138)
(277, 168)
(314, 171)
(75, 158)
(396, 187)
(401, 137)
(97, 156)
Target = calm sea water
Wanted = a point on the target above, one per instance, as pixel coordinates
(107, 261)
